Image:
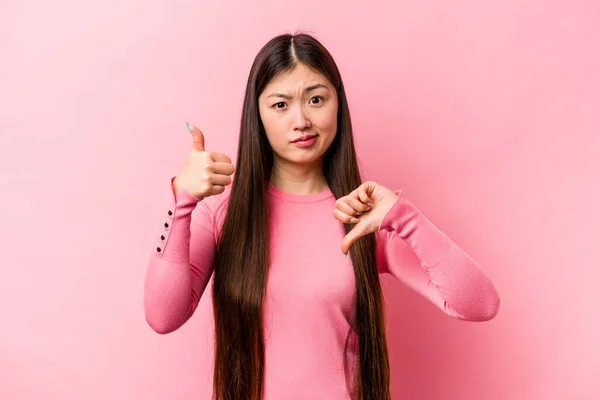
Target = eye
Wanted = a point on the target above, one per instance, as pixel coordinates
(316, 97)
(281, 103)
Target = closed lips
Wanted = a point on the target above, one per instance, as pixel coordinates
(304, 138)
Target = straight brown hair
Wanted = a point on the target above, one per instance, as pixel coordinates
(241, 260)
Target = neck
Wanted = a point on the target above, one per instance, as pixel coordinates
(298, 179)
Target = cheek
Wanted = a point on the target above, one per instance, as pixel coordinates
(274, 129)
(272, 126)
(328, 121)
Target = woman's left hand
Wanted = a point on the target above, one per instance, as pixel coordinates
(366, 207)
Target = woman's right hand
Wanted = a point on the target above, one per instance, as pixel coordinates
(205, 173)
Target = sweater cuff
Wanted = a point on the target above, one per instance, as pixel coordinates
(172, 239)
(408, 222)
(182, 197)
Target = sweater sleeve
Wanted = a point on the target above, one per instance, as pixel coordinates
(176, 276)
(417, 253)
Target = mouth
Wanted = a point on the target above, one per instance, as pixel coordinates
(304, 138)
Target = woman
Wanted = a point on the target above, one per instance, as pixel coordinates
(293, 317)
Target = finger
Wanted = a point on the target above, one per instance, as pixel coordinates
(222, 168)
(357, 205)
(220, 180)
(220, 157)
(197, 136)
(344, 207)
(350, 238)
(217, 189)
(345, 218)
(364, 197)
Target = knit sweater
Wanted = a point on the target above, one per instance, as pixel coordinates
(310, 286)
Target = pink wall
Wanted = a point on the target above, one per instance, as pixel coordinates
(485, 113)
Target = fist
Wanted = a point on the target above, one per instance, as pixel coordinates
(205, 173)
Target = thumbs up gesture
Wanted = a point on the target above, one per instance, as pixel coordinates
(205, 173)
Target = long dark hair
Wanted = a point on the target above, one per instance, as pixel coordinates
(242, 252)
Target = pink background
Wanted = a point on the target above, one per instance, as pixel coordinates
(485, 113)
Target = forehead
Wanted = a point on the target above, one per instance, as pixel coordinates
(297, 78)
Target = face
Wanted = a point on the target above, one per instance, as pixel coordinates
(298, 103)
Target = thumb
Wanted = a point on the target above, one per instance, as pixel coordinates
(197, 136)
(350, 238)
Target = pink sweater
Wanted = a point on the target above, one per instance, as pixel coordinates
(310, 287)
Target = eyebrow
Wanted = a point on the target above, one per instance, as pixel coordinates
(308, 89)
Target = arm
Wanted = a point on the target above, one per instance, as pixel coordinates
(413, 250)
(177, 277)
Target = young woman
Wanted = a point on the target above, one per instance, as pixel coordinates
(289, 315)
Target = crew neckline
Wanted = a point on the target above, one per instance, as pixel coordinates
(299, 198)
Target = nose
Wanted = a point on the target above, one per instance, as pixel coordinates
(301, 120)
